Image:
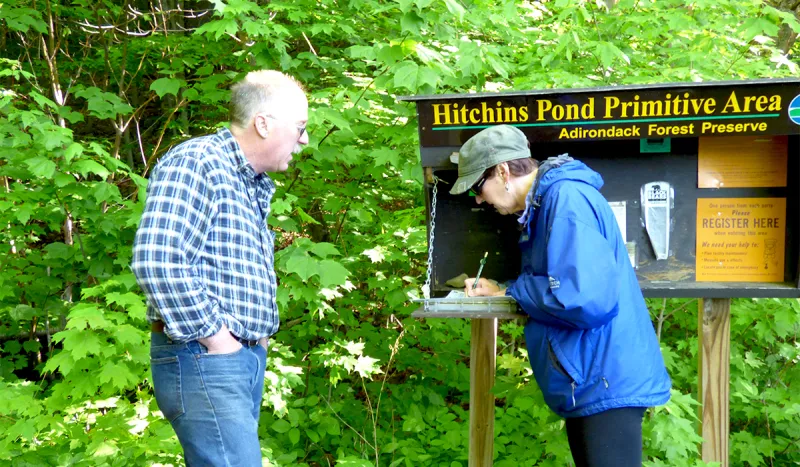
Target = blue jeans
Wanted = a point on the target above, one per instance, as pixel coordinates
(212, 401)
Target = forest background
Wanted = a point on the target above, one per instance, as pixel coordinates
(92, 93)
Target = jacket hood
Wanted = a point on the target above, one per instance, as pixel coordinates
(556, 169)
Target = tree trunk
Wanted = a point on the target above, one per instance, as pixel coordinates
(786, 36)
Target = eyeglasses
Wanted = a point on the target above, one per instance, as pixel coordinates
(477, 188)
(301, 129)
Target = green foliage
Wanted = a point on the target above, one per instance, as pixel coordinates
(352, 380)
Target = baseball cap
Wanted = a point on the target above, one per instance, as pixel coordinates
(489, 147)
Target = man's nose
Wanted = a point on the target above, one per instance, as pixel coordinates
(478, 199)
(304, 138)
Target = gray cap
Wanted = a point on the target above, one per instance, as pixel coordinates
(489, 147)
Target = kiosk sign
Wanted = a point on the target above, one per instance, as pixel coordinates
(701, 178)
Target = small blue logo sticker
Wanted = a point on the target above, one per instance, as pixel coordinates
(794, 110)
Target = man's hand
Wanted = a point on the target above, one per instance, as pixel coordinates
(221, 343)
(486, 288)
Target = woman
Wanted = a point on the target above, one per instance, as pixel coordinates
(590, 340)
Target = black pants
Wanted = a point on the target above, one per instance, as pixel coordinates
(608, 439)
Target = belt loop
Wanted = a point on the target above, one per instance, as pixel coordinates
(248, 343)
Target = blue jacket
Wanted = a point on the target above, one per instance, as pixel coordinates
(590, 339)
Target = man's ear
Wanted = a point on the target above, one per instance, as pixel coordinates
(261, 124)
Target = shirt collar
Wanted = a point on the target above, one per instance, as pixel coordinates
(534, 198)
(530, 201)
(234, 151)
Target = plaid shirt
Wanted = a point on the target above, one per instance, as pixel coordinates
(203, 254)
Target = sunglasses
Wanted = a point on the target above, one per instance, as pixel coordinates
(477, 188)
(301, 129)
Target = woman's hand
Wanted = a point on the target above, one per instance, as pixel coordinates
(486, 288)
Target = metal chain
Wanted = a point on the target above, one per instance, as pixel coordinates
(426, 289)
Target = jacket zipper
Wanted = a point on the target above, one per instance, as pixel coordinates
(573, 393)
(605, 381)
(560, 368)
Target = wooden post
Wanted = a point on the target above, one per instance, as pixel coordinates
(714, 377)
(482, 360)
(484, 313)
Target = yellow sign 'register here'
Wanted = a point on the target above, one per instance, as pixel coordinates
(741, 239)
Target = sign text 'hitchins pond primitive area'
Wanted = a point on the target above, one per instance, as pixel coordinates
(692, 111)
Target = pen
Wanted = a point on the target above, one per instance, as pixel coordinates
(480, 270)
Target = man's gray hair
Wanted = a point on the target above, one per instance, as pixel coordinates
(256, 92)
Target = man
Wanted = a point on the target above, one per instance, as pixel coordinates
(203, 256)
